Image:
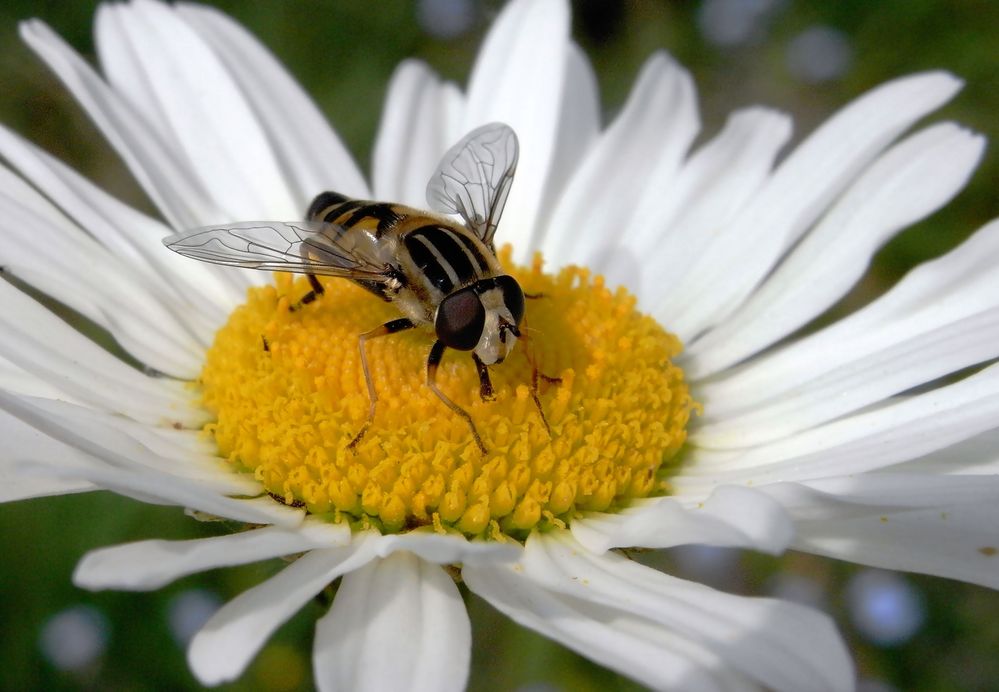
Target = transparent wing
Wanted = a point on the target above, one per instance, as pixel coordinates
(474, 177)
(306, 247)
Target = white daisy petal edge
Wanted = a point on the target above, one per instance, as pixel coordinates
(178, 83)
(397, 623)
(819, 169)
(519, 78)
(18, 439)
(231, 638)
(732, 517)
(777, 644)
(309, 150)
(414, 133)
(148, 565)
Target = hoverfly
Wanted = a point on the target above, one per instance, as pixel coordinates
(435, 270)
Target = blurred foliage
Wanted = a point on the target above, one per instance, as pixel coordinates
(344, 54)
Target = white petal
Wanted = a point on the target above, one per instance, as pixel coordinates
(131, 469)
(157, 169)
(652, 655)
(61, 261)
(579, 129)
(896, 432)
(179, 453)
(641, 149)
(956, 541)
(17, 380)
(413, 134)
(910, 181)
(42, 344)
(781, 645)
(398, 623)
(976, 455)
(942, 317)
(446, 550)
(309, 150)
(196, 293)
(799, 191)
(232, 637)
(731, 517)
(518, 79)
(21, 442)
(670, 230)
(177, 82)
(149, 565)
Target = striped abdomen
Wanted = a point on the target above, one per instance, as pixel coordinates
(376, 217)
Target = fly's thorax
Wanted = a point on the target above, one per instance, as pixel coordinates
(442, 257)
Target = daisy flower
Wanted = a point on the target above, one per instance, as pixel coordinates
(671, 279)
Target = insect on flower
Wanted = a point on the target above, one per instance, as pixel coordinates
(433, 269)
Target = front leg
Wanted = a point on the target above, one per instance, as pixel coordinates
(485, 385)
(433, 360)
(317, 290)
(392, 327)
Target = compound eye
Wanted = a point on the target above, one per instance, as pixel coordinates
(513, 297)
(460, 319)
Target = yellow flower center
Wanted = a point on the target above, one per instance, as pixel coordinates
(289, 395)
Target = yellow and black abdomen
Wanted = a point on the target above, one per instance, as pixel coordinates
(376, 217)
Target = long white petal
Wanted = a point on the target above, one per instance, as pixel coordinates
(180, 85)
(194, 291)
(896, 432)
(139, 446)
(941, 317)
(311, 153)
(17, 380)
(58, 259)
(797, 194)
(654, 656)
(398, 623)
(40, 343)
(148, 565)
(910, 181)
(641, 149)
(518, 79)
(21, 442)
(412, 136)
(975, 456)
(949, 533)
(579, 129)
(783, 646)
(131, 469)
(156, 168)
(731, 517)
(232, 637)
(671, 229)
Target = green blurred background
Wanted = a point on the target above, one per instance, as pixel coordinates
(741, 53)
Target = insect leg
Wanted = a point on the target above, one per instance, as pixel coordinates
(485, 385)
(317, 290)
(433, 360)
(536, 374)
(392, 327)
